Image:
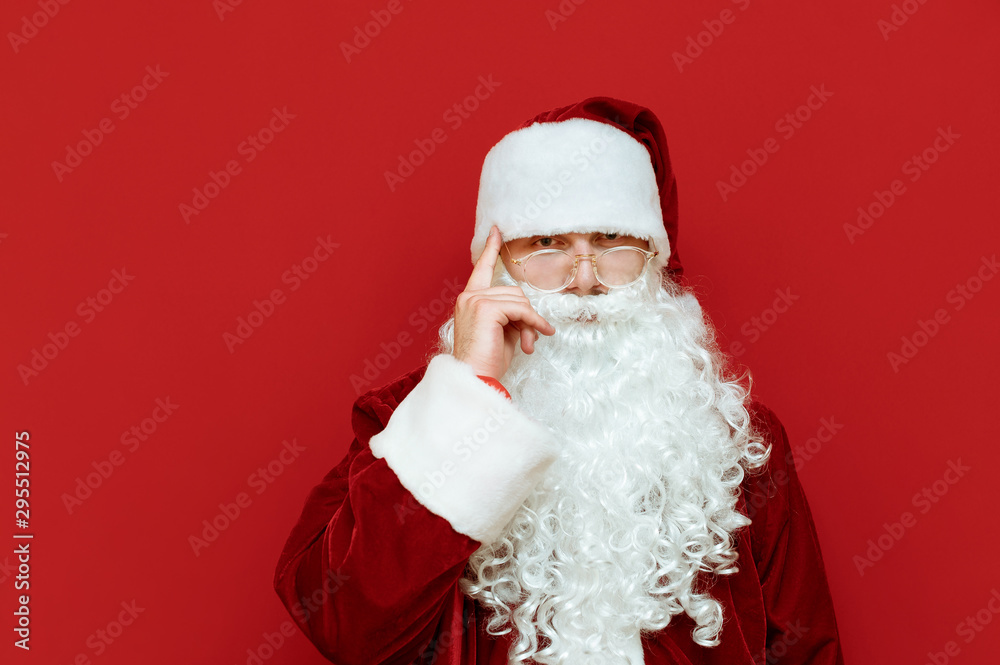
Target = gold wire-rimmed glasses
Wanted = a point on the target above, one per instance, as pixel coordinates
(551, 270)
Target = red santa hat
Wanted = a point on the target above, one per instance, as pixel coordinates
(600, 165)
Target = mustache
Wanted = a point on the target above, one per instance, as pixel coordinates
(619, 304)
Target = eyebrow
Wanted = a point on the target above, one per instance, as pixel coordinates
(563, 235)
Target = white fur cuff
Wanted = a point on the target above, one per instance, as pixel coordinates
(464, 450)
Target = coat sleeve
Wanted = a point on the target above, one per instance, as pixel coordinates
(801, 624)
(370, 571)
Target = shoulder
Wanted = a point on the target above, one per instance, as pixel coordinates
(769, 430)
(765, 422)
(765, 491)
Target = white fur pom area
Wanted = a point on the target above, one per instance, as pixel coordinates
(572, 176)
(464, 450)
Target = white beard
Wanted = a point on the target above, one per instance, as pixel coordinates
(655, 437)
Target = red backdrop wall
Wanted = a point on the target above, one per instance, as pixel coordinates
(169, 169)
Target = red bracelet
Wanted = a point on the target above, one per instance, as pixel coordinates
(496, 384)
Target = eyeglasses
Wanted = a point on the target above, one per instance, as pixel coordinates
(551, 270)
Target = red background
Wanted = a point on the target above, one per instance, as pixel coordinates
(323, 176)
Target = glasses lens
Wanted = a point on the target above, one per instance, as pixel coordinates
(617, 267)
(621, 266)
(548, 270)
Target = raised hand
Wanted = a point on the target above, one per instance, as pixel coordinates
(489, 319)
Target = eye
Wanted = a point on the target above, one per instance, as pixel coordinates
(613, 239)
(542, 242)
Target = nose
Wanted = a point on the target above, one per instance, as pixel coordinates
(585, 281)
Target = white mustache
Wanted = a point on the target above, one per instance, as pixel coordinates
(619, 304)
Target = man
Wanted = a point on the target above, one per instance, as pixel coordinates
(575, 476)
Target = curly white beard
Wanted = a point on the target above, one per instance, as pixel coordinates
(655, 439)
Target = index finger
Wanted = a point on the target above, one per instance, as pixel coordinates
(482, 273)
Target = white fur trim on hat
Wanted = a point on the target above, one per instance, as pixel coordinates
(572, 176)
(464, 450)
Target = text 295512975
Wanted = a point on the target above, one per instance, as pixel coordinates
(22, 538)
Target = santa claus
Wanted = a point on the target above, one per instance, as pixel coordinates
(577, 475)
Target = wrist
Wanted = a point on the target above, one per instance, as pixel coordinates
(479, 369)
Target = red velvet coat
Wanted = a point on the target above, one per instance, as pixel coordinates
(371, 576)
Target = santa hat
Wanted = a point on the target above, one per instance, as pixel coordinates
(600, 165)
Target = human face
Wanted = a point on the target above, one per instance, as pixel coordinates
(585, 282)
